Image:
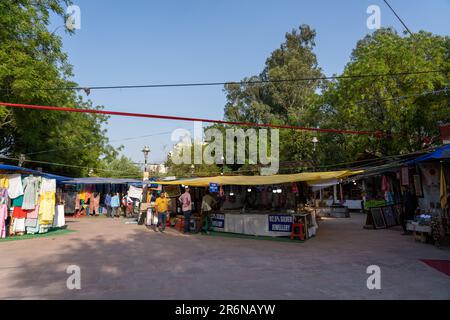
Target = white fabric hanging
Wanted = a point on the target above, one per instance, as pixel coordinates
(48, 185)
(15, 188)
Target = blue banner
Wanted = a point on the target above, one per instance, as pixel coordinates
(214, 187)
(280, 223)
(218, 220)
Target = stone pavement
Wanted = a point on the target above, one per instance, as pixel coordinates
(120, 261)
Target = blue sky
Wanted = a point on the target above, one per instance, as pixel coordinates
(145, 42)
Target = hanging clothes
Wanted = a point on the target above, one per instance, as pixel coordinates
(19, 225)
(3, 217)
(30, 188)
(4, 181)
(48, 185)
(4, 199)
(70, 201)
(17, 202)
(19, 213)
(47, 207)
(15, 188)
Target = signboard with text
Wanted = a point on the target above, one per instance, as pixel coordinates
(280, 223)
(214, 187)
(218, 220)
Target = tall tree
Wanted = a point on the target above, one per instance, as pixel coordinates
(406, 108)
(283, 102)
(31, 57)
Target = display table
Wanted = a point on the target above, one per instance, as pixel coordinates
(261, 224)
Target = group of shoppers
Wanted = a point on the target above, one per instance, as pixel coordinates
(115, 203)
(162, 206)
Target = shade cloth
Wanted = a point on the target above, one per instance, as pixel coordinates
(440, 153)
(262, 180)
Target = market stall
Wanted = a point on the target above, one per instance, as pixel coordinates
(87, 196)
(260, 205)
(29, 201)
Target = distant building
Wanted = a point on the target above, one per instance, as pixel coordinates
(157, 169)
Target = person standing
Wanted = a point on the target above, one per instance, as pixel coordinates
(208, 203)
(115, 204)
(108, 205)
(162, 209)
(410, 205)
(186, 207)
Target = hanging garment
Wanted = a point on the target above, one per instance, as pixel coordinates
(134, 192)
(4, 181)
(19, 213)
(48, 185)
(17, 202)
(47, 208)
(58, 220)
(4, 196)
(19, 225)
(3, 217)
(70, 201)
(15, 188)
(94, 203)
(77, 202)
(33, 214)
(30, 188)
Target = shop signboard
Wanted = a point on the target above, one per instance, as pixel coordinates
(213, 187)
(218, 220)
(280, 223)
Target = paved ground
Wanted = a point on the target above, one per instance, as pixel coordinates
(120, 261)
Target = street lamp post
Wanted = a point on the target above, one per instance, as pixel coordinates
(145, 151)
(315, 141)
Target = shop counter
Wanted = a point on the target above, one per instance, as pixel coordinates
(261, 224)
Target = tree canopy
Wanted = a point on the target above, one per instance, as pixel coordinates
(32, 57)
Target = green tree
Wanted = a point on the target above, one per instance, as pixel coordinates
(31, 57)
(122, 167)
(406, 109)
(283, 102)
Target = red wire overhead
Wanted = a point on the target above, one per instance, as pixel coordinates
(377, 134)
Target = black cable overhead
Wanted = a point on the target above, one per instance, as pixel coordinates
(398, 17)
(87, 89)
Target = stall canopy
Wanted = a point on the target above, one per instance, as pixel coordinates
(95, 180)
(438, 154)
(16, 169)
(262, 180)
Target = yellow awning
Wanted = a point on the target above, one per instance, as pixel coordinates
(262, 180)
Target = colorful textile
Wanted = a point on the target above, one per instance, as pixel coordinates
(17, 202)
(19, 213)
(30, 188)
(3, 196)
(47, 207)
(4, 181)
(3, 216)
(33, 214)
(15, 188)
